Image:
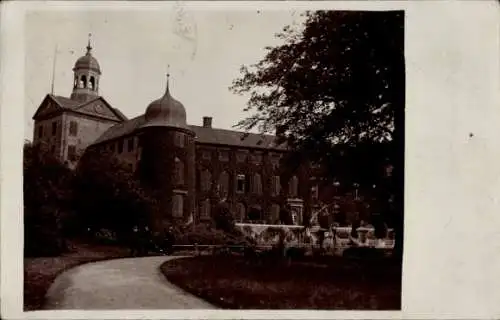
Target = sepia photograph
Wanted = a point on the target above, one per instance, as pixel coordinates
(208, 160)
(164, 169)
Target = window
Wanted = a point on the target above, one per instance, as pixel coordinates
(179, 171)
(257, 184)
(130, 144)
(120, 146)
(275, 185)
(54, 128)
(275, 160)
(178, 206)
(241, 156)
(179, 140)
(206, 155)
(256, 157)
(293, 186)
(75, 83)
(72, 153)
(314, 192)
(73, 128)
(223, 184)
(205, 209)
(83, 82)
(53, 149)
(240, 183)
(205, 180)
(40, 131)
(224, 156)
(92, 83)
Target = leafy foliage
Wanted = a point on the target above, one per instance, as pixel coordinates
(47, 201)
(109, 195)
(334, 93)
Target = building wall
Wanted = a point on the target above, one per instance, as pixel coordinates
(154, 151)
(49, 137)
(88, 130)
(166, 166)
(248, 162)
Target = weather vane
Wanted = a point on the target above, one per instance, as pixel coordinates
(89, 47)
(168, 76)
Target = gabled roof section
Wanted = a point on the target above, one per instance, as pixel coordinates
(111, 112)
(65, 104)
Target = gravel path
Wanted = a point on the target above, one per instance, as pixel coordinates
(133, 283)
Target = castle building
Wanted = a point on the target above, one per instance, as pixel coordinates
(193, 167)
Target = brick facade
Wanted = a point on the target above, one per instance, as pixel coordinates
(191, 168)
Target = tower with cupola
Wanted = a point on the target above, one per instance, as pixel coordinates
(86, 74)
(168, 159)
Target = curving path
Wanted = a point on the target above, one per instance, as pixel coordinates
(133, 283)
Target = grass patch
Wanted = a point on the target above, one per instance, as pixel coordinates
(333, 283)
(40, 272)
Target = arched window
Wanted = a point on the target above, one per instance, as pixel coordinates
(257, 184)
(178, 205)
(179, 171)
(75, 84)
(205, 209)
(206, 180)
(223, 184)
(293, 187)
(83, 82)
(92, 83)
(240, 211)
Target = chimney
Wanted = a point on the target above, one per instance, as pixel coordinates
(207, 122)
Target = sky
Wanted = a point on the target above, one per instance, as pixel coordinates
(205, 50)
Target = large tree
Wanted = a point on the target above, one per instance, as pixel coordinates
(334, 91)
(47, 201)
(108, 194)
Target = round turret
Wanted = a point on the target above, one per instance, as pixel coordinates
(165, 112)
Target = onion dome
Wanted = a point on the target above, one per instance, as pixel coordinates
(88, 61)
(165, 112)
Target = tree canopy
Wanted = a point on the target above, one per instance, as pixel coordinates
(334, 92)
(335, 84)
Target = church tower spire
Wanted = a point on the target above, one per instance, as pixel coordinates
(86, 76)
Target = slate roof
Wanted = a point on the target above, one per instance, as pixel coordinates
(203, 135)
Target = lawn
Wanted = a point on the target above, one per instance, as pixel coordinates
(40, 272)
(333, 283)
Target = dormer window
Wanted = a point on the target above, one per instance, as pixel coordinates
(54, 128)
